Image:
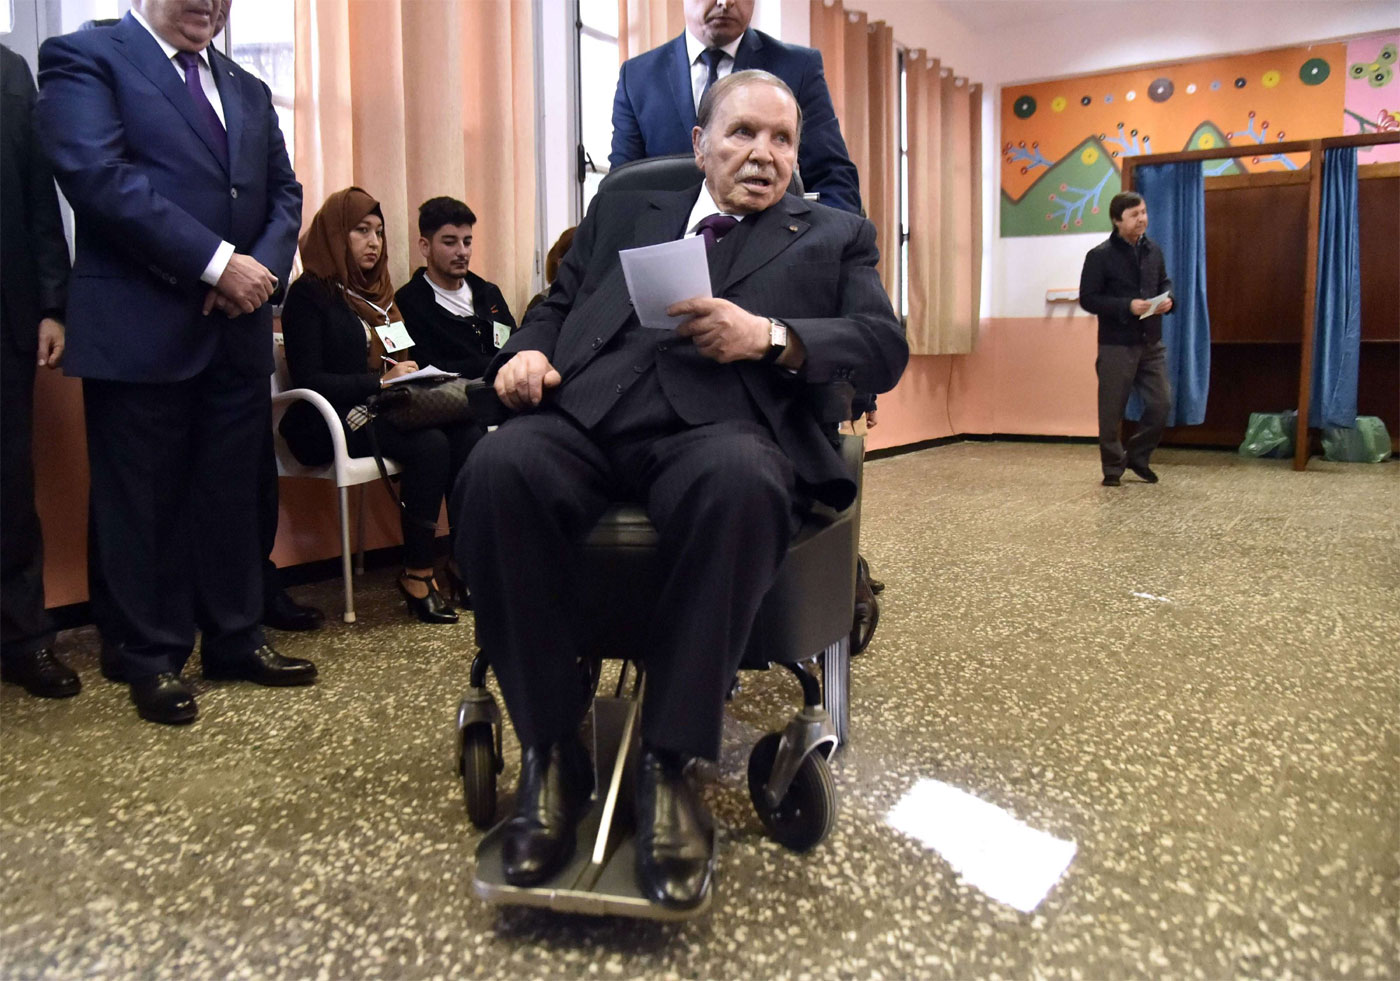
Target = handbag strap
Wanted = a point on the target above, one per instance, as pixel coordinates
(389, 483)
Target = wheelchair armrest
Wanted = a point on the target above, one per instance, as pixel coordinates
(282, 400)
(486, 405)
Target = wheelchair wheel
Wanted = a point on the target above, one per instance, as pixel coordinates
(866, 620)
(478, 765)
(807, 813)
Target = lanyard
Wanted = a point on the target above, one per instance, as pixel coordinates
(382, 311)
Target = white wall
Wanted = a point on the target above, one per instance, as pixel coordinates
(999, 42)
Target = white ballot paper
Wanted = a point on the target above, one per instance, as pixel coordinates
(1155, 302)
(659, 275)
(423, 374)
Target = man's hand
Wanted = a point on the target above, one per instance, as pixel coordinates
(246, 284)
(522, 380)
(402, 368)
(1139, 307)
(1166, 305)
(721, 330)
(50, 343)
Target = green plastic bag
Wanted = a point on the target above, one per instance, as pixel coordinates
(1270, 434)
(1367, 442)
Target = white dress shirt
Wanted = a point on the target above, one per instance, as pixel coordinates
(704, 207)
(694, 47)
(217, 263)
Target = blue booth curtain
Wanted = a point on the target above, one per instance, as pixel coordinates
(1337, 339)
(1176, 220)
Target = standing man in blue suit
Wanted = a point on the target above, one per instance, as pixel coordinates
(659, 91)
(187, 217)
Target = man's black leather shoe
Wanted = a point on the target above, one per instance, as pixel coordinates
(263, 666)
(112, 660)
(1112, 480)
(1145, 473)
(675, 838)
(41, 674)
(164, 698)
(281, 612)
(555, 782)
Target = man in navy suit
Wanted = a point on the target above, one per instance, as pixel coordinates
(658, 93)
(187, 216)
(708, 425)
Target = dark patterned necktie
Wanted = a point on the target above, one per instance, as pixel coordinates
(713, 228)
(711, 58)
(189, 61)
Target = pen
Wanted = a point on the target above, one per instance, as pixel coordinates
(389, 361)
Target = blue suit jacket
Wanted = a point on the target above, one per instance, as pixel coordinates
(152, 200)
(654, 111)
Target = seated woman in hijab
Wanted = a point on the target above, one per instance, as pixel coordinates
(335, 322)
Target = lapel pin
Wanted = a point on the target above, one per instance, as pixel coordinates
(792, 228)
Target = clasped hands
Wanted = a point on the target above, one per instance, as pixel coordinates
(720, 330)
(245, 285)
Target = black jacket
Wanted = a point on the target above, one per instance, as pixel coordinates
(443, 339)
(33, 251)
(326, 352)
(1116, 273)
(806, 264)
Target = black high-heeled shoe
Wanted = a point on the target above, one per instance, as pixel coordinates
(431, 608)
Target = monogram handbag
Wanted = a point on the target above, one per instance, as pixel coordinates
(424, 404)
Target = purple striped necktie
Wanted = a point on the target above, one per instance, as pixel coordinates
(189, 61)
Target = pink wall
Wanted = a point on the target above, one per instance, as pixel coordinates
(1027, 376)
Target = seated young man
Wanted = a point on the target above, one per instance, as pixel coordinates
(707, 426)
(458, 321)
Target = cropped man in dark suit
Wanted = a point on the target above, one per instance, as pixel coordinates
(187, 215)
(33, 285)
(659, 91)
(706, 424)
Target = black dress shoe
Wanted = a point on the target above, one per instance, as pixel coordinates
(539, 837)
(431, 608)
(112, 660)
(1144, 472)
(281, 612)
(263, 666)
(164, 698)
(1112, 480)
(675, 840)
(41, 674)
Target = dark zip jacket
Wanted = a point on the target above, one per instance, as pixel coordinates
(1116, 273)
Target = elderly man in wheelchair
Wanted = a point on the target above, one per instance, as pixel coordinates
(710, 427)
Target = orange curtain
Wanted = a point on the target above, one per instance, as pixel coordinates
(646, 24)
(945, 207)
(412, 100)
(862, 73)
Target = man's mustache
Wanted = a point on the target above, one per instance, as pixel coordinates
(754, 170)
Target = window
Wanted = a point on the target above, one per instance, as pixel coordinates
(261, 38)
(598, 64)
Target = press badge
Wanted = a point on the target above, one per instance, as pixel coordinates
(394, 336)
(500, 333)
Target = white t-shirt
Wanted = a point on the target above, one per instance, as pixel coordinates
(458, 301)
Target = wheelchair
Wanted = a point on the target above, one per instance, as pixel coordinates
(804, 626)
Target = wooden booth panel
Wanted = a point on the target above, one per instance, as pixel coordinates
(1378, 207)
(1255, 256)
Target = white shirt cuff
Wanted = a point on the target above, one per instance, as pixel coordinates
(216, 266)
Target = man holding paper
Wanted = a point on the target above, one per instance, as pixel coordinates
(704, 422)
(1125, 283)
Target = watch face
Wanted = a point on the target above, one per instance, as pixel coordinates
(777, 333)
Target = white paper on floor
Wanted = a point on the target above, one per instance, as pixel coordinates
(1159, 599)
(992, 850)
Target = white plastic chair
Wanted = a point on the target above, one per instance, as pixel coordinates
(347, 471)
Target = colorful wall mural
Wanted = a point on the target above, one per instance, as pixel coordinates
(1062, 140)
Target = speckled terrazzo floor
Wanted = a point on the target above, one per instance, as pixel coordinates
(1224, 749)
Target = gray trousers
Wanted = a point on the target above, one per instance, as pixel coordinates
(1123, 368)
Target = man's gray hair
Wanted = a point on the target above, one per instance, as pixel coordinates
(720, 90)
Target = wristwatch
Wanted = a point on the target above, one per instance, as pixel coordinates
(777, 340)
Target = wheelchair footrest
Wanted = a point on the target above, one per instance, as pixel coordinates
(581, 886)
